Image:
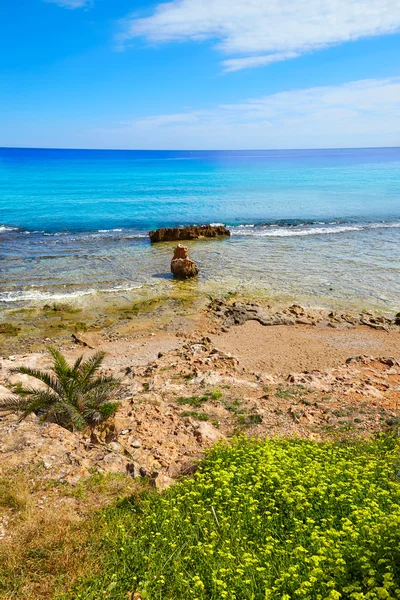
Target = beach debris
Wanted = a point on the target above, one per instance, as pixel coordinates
(191, 232)
(181, 265)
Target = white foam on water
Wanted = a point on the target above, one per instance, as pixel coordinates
(23, 296)
(7, 228)
(273, 231)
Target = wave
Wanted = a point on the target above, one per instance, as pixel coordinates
(118, 233)
(274, 230)
(29, 295)
(277, 228)
(7, 228)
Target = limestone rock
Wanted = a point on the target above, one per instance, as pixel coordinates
(181, 265)
(205, 433)
(238, 313)
(89, 340)
(192, 232)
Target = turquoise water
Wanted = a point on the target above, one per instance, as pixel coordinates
(322, 227)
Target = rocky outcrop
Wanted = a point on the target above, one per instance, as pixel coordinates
(192, 232)
(237, 313)
(181, 265)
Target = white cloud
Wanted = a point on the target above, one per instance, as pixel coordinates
(236, 64)
(70, 3)
(162, 120)
(359, 113)
(263, 29)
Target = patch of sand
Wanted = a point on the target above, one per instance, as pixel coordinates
(283, 350)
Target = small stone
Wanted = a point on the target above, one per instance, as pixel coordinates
(136, 444)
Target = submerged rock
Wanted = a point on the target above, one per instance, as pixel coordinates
(192, 232)
(181, 265)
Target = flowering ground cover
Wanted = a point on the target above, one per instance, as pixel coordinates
(270, 520)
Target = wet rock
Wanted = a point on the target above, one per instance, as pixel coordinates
(181, 265)
(191, 232)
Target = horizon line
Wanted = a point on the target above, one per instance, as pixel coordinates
(200, 149)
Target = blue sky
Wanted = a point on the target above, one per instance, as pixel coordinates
(199, 73)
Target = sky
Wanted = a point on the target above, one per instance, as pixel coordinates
(199, 74)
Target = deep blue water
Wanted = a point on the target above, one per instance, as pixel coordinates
(338, 210)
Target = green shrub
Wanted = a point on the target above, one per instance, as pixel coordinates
(75, 396)
(200, 416)
(273, 520)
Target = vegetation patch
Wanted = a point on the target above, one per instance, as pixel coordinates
(60, 307)
(76, 397)
(198, 401)
(292, 392)
(47, 549)
(272, 520)
(200, 416)
(9, 329)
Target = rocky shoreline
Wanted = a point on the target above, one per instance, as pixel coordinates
(182, 389)
(193, 372)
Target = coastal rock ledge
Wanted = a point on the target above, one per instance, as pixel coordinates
(181, 265)
(191, 232)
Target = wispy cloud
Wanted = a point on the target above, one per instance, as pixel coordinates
(262, 31)
(236, 64)
(70, 3)
(359, 113)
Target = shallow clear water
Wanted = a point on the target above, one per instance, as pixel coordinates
(320, 227)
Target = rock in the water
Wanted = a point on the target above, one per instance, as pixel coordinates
(181, 265)
(192, 232)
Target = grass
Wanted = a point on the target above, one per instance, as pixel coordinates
(292, 392)
(271, 520)
(198, 401)
(48, 548)
(200, 416)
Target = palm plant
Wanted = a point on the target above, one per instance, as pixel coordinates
(76, 397)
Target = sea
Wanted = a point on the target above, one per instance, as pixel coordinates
(316, 227)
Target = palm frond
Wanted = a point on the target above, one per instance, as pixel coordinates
(109, 382)
(40, 401)
(77, 364)
(65, 415)
(99, 394)
(90, 366)
(42, 376)
(13, 404)
(60, 365)
(74, 397)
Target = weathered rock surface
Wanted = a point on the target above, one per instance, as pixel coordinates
(181, 265)
(88, 340)
(237, 313)
(192, 232)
